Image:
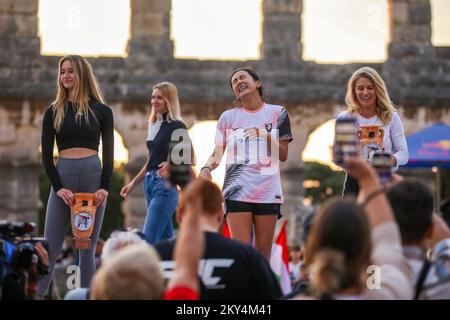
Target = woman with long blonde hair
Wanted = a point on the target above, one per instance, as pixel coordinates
(77, 119)
(165, 125)
(368, 102)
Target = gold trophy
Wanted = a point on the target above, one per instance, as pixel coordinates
(371, 140)
(82, 220)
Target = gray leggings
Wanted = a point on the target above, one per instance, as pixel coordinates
(77, 175)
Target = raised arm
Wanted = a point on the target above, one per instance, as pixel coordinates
(371, 195)
(190, 244)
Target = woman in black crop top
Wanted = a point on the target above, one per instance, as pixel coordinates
(77, 119)
(165, 125)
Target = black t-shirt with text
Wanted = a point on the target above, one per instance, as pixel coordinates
(228, 270)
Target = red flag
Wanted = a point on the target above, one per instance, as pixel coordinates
(279, 260)
(225, 230)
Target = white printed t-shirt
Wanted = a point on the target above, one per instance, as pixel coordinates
(251, 175)
(394, 140)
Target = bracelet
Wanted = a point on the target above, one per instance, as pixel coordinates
(372, 195)
(206, 167)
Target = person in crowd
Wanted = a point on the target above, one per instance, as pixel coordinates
(165, 126)
(295, 264)
(369, 103)
(421, 230)
(116, 241)
(256, 136)
(231, 269)
(354, 250)
(77, 119)
(135, 273)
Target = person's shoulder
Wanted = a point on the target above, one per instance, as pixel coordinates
(395, 117)
(229, 112)
(49, 109)
(228, 115)
(165, 248)
(167, 243)
(178, 124)
(99, 106)
(231, 244)
(344, 115)
(48, 115)
(274, 107)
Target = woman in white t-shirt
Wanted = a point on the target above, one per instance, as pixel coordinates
(256, 136)
(368, 102)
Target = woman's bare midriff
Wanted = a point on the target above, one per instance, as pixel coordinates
(76, 153)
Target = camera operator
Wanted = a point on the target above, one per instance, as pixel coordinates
(23, 261)
(26, 269)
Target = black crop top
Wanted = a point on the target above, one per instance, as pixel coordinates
(79, 134)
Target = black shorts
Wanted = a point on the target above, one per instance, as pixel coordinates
(255, 208)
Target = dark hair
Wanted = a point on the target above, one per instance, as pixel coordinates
(412, 203)
(252, 74)
(338, 247)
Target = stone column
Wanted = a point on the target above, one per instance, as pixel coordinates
(18, 30)
(411, 53)
(19, 122)
(131, 120)
(291, 179)
(281, 30)
(410, 28)
(150, 32)
(19, 161)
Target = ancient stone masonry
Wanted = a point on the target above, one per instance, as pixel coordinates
(418, 76)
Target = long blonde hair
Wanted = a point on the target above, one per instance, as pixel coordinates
(170, 95)
(85, 87)
(385, 108)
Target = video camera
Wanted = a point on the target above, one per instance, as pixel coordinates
(17, 249)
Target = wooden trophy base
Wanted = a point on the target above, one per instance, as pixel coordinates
(81, 243)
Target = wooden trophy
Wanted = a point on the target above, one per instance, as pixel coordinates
(82, 220)
(371, 140)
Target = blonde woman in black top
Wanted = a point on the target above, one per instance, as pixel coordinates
(77, 119)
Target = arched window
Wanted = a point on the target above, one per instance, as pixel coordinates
(216, 29)
(86, 27)
(440, 22)
(345, 31)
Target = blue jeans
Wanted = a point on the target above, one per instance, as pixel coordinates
(162, 200)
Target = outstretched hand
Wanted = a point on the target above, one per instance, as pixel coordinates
(126, 190)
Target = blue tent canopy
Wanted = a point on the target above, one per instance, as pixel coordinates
(429, 147)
